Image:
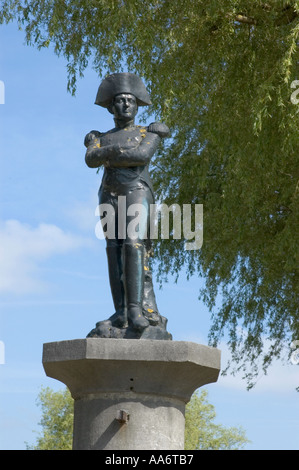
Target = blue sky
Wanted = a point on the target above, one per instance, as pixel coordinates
(53, 273)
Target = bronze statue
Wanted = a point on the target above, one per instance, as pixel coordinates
(125, 153)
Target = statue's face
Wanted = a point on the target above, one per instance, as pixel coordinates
(125, 106)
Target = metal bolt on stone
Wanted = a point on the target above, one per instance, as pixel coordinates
(122, 416)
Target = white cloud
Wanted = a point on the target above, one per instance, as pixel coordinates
(22, 250)
(282, 376)
(83, 215)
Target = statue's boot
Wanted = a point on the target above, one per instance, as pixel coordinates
(115, 269)
(134, 283)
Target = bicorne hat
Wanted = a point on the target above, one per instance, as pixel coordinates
(122, 83)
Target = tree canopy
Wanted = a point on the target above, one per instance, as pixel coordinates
(57, 418)
(220, 74)
(201, 433)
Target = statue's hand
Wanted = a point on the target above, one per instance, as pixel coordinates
(159, 128)
(90, 137)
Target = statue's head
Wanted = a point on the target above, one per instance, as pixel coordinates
(124, 107)
(121, 94)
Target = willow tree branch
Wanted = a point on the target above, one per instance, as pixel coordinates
(288, 14)
(245, 19)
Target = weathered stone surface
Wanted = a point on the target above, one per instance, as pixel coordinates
(151, 380)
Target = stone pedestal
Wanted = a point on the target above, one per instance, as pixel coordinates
(130, 394)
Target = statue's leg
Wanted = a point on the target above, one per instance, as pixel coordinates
(115, 259)
(149, 304)
(134, 257)
(134, 284)
(115, 270)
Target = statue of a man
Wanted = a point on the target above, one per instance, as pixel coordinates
(125, 153)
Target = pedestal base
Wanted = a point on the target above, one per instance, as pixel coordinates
(130, 394)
